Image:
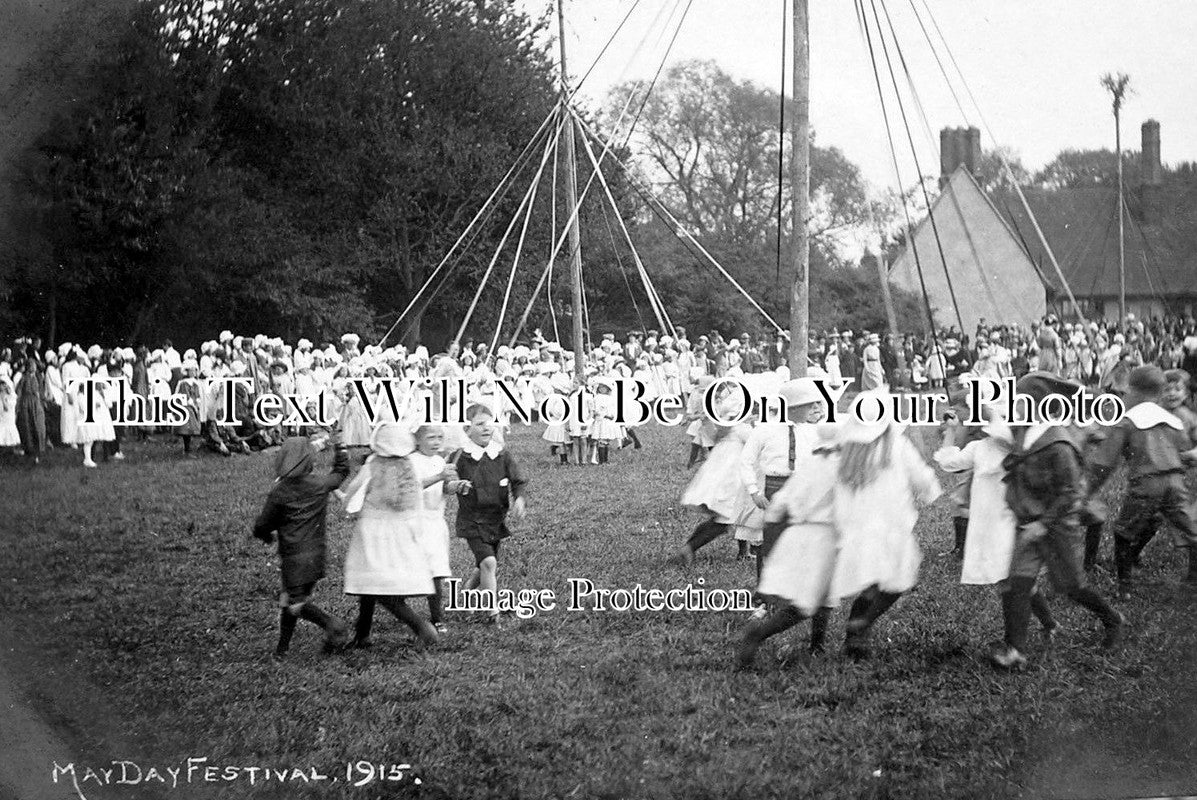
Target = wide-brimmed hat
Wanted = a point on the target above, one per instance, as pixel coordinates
(1040, 384)
(800, 392)
(392, 440)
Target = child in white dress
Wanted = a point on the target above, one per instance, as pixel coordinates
(385, 563)
(989, 545)
(796, 576)
(701, 429)
(879, 469)
(604, 431)
(437, 478)
(716, 491)
(9, 436)
(556, 433)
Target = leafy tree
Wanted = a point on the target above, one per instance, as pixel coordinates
(295, 163)
(1076, 169)
(711, 142)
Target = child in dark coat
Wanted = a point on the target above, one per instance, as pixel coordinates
(297, 509)
(1045, 487)
(1155, 446)
(491, 486)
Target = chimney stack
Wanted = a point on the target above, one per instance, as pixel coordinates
(1152, 171)
(958, 147)
(1153, 174)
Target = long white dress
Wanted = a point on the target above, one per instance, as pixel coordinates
(801, 566)
(876, 524)
(385, 557)
(433, 532)
(717, 487)
(100, 429)
(72, 373)
(991, 524)
(9, 435)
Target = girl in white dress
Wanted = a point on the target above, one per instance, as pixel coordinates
(385, 563)
(74, 370)
(989, 542)
(880, 476)
(436, 478)
(701, 429)
(9, 436)
(100, 429)
(556, 433)
(354, 422)
(796, 577)
(605, 431)
(831, 362)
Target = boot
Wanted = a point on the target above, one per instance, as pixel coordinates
(335, 634)
(1111, 619)
(960, 528)
(695, 450)
(1043, 613)
(818, 630)
(1093, 544)
(1124, 566)
(1016, 612)
(365, 621)
(635, 439)
(856, 640)
(604, 453)
(420, 626)
(760, 630)
(286, 629)
(564, 456)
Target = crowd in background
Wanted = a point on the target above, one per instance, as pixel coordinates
(44, 398)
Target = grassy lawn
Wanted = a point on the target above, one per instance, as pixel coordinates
(139, 581)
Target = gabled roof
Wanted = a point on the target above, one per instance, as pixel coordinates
(1081, 226)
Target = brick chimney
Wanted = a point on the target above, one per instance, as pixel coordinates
(1153, 174)
(958, 147)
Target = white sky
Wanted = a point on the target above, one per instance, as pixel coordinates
(1033, 65)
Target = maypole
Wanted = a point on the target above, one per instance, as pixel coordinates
(800, 189)
(571, 195)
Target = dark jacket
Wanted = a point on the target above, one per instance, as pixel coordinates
(1149, 452)
(297, 508)
(1046, 482)
(495, 482)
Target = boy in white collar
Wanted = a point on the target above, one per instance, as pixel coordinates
(1153, 442)
(491, 486)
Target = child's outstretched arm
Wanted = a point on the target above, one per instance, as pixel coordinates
(1105, 459)
(340, 469)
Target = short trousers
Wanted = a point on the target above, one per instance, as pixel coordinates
(482, 550)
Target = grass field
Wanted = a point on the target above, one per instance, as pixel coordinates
(136, 589)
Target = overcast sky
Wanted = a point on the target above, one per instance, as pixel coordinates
(1034, 67)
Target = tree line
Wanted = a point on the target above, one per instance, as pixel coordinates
(299, 167)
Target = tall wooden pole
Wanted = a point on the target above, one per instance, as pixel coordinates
(800, 191)
(571, 199)
(1121, 235)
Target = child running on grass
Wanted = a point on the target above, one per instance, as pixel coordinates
(1156, 449)
(797, 572)
(879, 477)
(1045, 487)
(437, 479)
(491, 485)
(297, 509)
